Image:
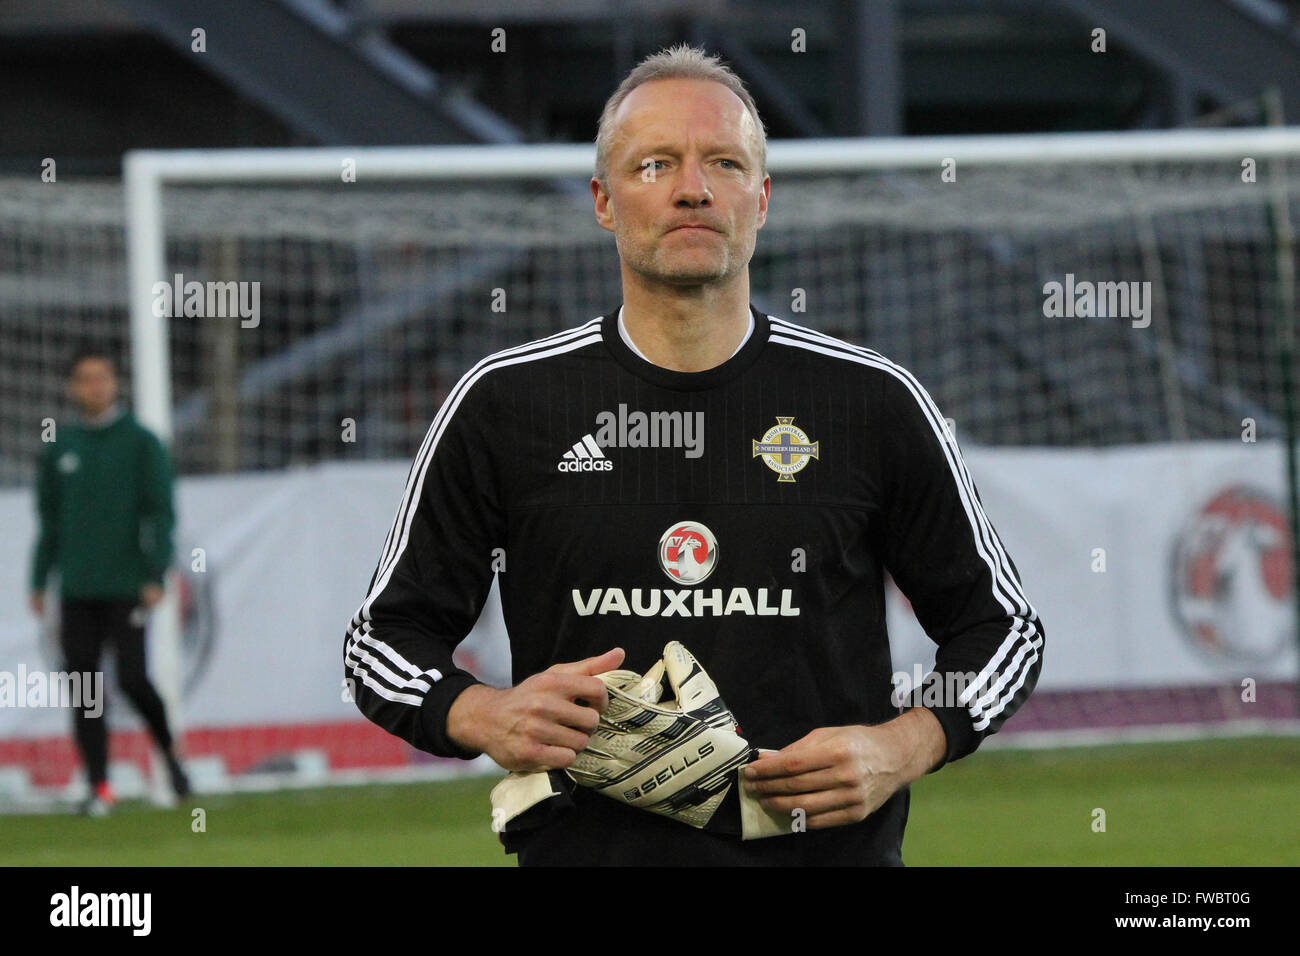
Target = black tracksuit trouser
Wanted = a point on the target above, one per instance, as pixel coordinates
(87, 627)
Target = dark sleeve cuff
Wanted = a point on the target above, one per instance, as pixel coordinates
(433, 714)
(957, 728)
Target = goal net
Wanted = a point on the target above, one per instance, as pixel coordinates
(1103, 318)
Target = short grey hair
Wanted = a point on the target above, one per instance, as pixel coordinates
(681, 62)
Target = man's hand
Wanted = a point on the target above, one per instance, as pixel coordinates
(840, 775)
(543, 723)
(150, 595)
(37, 603)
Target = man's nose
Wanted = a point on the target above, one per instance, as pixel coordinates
(693, 187)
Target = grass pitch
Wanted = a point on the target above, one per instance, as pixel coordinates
(1220, 802)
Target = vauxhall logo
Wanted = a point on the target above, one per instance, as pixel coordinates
(634, 429)
(687, 553)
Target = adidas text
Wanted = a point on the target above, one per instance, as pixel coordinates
(586, 464)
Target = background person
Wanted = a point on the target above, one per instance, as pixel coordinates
(104, 500)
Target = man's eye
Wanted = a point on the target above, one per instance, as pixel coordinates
(731, 162)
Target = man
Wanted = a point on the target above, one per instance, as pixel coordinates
(104, 499)
(686, 468)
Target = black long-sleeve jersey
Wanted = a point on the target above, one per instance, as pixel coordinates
(749, 511)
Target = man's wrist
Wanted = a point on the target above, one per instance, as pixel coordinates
(921, 739)
(462, 716)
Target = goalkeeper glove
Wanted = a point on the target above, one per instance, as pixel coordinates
(679, 758)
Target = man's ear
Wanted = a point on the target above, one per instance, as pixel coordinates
(601, 197)
(763, 195)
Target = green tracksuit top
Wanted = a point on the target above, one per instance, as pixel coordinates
(104, 500)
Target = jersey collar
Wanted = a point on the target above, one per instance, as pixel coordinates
(685, 381)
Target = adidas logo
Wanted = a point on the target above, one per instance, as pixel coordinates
(585, 455)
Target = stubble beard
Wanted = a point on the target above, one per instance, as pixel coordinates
(659, 264)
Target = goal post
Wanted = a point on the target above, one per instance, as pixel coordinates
(1113, 165)
(1105, 319)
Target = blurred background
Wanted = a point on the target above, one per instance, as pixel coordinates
(948, 175)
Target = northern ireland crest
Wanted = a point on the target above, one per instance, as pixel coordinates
(785, 448)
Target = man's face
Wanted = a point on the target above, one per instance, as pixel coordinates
(93, 386)
(683, 151)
